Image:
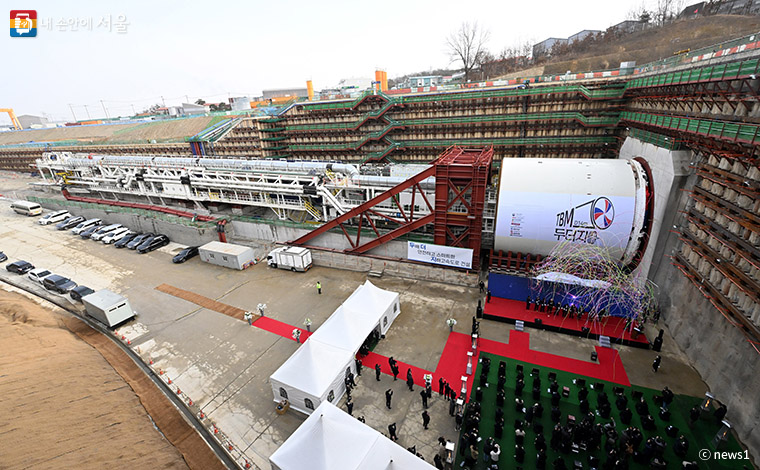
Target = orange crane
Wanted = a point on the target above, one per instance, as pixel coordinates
(14, 120)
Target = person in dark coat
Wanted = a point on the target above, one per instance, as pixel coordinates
(482, 286)
(424, 399)
(409, 380)
(527, 303)
(377, 372)
(519, 453)
(425, 419)
(437, 462)
(720, 413)
(395, 370)
(488, 296)
(388, 396)
(656, 363)
(392, 431)
(441, 387)
(358, 367)
(452, 407)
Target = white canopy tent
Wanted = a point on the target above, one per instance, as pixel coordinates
(330, 439)
(316, 371)
(313, 374)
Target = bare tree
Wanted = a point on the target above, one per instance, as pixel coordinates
(468, 45)
(666, 10)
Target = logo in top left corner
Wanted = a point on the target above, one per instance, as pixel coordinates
(23, 23)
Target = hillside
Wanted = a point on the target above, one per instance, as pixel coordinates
(656, 43)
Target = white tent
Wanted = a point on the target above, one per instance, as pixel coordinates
(381, 305)
(317, 370)
(313, 374)
(330, 439)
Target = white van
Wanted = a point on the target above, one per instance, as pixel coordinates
(84, 226)
(104, 231)
(54, 217)
(26, 208)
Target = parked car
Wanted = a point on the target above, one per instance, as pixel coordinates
(100, 233)
(88, 232)
(185, 254)
(153, 243)
(37, 275)
(58, 283)
(80, 291)
(126, 239)
(71, 222)
(54, 217)
(3, 257)
(115, 235)
(19, 267)
(82, 226)
(138, 240)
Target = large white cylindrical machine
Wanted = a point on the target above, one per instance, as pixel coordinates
(543, 202)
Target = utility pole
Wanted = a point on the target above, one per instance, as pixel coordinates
(133, 110)
(72, 112)
(187, 100)
(163, 101)
(104, 109)
(87, 111)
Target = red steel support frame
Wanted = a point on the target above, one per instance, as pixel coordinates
(407, 224)
(461, 180)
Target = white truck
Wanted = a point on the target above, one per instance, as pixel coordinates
(290, 257)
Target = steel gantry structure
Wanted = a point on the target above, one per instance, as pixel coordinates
(297, 191)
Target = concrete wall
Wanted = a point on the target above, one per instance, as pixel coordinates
(669, 171)
(716, 348)
(178, 233)
(394, 268)
(336, 241)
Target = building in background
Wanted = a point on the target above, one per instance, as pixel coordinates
(28, 121)
(544, 48)
(581, 35)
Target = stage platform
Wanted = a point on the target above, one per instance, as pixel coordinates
(509, 311)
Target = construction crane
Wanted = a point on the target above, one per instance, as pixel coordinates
(14, 120)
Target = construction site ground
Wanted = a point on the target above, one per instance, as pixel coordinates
(64, 406)
(170, 130)
(223, 364)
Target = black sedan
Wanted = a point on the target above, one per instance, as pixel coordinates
(153, 243)
(137, 241)
(3, 257)
(88, 233)
(185, 254)
(58, 283)
(19, 267)
(80, 291)
(71, 222)
(123, 241)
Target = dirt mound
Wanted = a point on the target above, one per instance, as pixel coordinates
(657, 43)
(64, 406)
(172, 130)
(28, 313)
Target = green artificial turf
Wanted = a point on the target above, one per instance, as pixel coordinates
(699, 437)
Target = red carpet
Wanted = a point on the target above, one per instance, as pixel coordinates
(614, 327)
(453, 362)
(279, 328)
